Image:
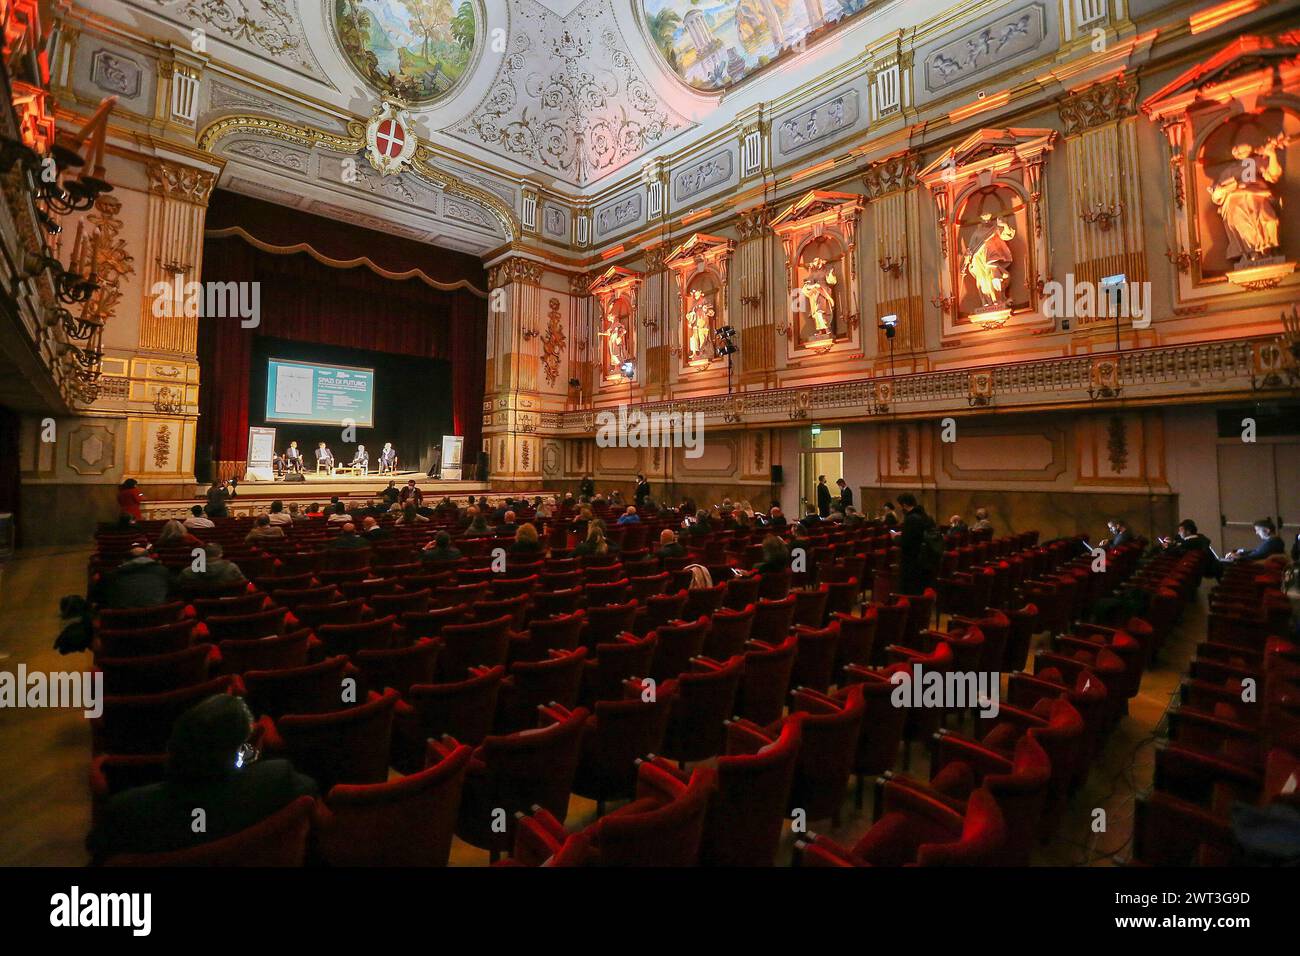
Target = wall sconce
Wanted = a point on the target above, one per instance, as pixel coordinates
(942, 302)
(530, 334)
(890, 265)
(754, 301)
(787, 329)
(649, 323)
(1181, 260)
(1103, 216)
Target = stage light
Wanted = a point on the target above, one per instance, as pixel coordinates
(889, 324)
(628, 369)
(726, 332)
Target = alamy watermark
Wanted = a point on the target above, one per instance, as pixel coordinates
(1114, 297)
(949, 690)
(210, 300)
(637, 429)
(70, 690)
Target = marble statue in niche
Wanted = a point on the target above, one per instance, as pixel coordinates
(988, 259)
(818, 292)
(1247, 200)
(699, 322)
(615, 335)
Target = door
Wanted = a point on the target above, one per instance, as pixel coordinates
(1258, 480)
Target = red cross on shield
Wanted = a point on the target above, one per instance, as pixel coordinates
(389, 139)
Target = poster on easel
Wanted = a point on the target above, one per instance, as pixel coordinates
(453, 447)
(261, 452)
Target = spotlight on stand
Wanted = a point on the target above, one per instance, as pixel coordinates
(889, 325)
(726, 344)
(628, 369)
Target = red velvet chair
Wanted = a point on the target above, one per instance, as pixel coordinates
(351, 745)
(663, 826)
(773, 620)
(268, 623)
(1024, 624)
(919, 830)
(461, 709)
(269, 653)
(742, 591)
(279, 840)
(660, 609)
(705, 698)
(138, 618)
(615, 662)
(617, 735)
(349, 639)
(831, 728)
(705, 601)
(509, 775)
(431, 623)
(604, 623)
(147, 641)
(142, 723)
(336, 612)
(810, 607)
(545, 634)
(743, 826)
(399, 667)
(156, 673)
(728, 632)
(408, 822)
(480, 644)
(882, 725)
(857, 638)
(814, 660)
(766, 680)
(677, 645)
(313, 689)
(891, 624)
(240, 604)
(533, 684)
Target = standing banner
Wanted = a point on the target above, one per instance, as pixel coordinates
(453, 447)
(261, 451)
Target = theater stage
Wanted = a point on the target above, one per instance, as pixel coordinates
(255, 497)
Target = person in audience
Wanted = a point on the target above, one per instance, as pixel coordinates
(390, 494)
(915, 574)
(440, 549)
(587, 487)
(1269, 544)
(616, 499)
(216, 571)
(526, 540)
(410, 515)
(799, 536)
(508, 526)
(595, 543)
(743, 517)
(198, 519)
(314, 510)
(372, 531)
(701, 527)
(544, 508)
(629, 516)
(447, 508)
(669, 547)
(776, 556)
(295, 516)
(348, 539)
(210, 764)
(823, 497)
(324, 457)
(776, 518)
(129, 497)
(478, 526)
(812, 518)
(139, 581)
(1119, 534)
(174, 535)
(642, 490)
(1187, 539)
(846, 495)
(852, 519)
(569, 502)
(339, 515)
(982, 522)
(277, 515)
(955, 525)
(218, 495)
(889, 515)
(411, 492)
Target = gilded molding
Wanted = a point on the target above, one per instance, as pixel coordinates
(175, 181)
(1099, 104)
(891, 174)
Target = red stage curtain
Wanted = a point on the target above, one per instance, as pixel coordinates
(307, 301)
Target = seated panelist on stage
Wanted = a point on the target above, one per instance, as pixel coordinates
(388, 457)
(361, 459)
(324, 456)
(293, 457)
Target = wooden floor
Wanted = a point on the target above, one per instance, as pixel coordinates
(45, 754)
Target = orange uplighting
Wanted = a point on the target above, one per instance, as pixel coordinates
(610, 253)
(1213, 17)
(989, 102)
(692, 217)
(812, 170)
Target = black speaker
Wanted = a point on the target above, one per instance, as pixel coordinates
(294, 476)
(778, 475)
(482, 473)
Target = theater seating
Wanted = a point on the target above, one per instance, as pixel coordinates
(279, 840)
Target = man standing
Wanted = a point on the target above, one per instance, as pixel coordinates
(412, 494)
(917, 544)
(642, 491)
(823, 497)
(217, 495)
(846, 495)
(587, 487)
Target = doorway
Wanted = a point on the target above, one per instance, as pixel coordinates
(822, 454)
(1258, 480)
